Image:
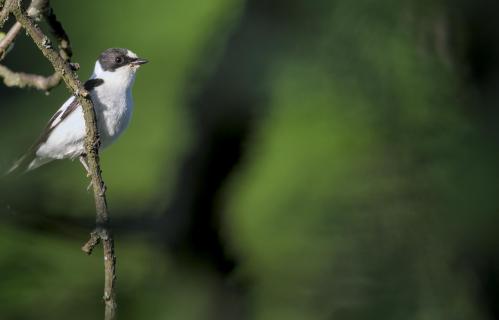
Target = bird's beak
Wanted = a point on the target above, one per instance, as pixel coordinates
(139, 61)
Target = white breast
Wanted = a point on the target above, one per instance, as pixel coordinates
(113, 108)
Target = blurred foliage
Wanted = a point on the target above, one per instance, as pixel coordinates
(286, 160)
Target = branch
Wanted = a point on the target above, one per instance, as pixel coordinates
(89, 246)
(9, 37)
(92, 152)
(5, 11)
(36, 10)
(58, 31)
(22, 80)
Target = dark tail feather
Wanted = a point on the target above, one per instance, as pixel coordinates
(20, 166)
(26, 163)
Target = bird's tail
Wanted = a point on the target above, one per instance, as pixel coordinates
(26, 163)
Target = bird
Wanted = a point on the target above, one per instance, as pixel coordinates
(110, 88)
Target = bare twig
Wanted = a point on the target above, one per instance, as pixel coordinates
(22, 80)
(58, 31)
(36, 10)
(5, 11)
(94, 240)
(9, 37)
(92, 153)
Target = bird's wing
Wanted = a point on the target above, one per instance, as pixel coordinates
(23, 163)
(64, 111)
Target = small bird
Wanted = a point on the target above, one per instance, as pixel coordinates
(110, 88)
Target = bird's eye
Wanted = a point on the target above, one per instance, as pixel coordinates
(118, 60)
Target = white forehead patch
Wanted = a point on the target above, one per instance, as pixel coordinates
(131, 54)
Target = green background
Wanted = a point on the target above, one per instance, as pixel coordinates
(286, 160)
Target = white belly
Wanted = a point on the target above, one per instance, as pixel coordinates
(113, 117)
(67, 139)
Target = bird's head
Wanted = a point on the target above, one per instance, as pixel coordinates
(118, 65)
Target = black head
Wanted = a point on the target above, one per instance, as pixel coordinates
(114, 58)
